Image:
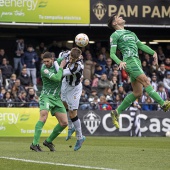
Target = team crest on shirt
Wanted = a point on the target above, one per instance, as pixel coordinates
(46, 71)
(74, 97)
(111, 39)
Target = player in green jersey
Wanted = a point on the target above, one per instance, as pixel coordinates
(50, 101)
(128, 44)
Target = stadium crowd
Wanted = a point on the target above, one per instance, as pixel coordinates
(104, 85)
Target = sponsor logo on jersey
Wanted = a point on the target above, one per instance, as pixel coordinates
(46, 71)
(92, 121)
(99, 9)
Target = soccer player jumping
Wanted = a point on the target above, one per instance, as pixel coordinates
(71, 92)
(128, 44)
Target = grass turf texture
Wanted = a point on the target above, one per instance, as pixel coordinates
(120, 153)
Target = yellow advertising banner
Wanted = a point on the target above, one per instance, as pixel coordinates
(20, 122)
(45, 11)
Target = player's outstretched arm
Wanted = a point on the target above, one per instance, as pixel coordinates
(148, 50)
(145, 48)
(66, 72)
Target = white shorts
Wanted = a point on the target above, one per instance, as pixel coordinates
(71, 94)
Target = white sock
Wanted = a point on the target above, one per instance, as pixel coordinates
(77, 125)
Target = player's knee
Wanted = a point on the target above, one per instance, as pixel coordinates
(146, 82)
(64, 123)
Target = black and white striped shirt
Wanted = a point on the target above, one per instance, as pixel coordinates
(77, 71)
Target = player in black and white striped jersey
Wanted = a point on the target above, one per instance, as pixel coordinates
(71, 91)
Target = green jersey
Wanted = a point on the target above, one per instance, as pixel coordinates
(126, 42)
(51, 80)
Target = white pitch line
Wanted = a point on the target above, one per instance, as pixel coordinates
(57, 164)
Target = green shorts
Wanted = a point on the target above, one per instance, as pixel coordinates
(133, 67)
(52, 104)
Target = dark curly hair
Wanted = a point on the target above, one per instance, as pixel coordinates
(110, 20)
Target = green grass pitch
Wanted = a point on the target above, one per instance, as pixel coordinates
(118, 153)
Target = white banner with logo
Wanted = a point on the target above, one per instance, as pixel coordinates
(99, 123)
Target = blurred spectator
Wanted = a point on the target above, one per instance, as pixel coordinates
(109, 68)
(154, 82)
(2, 92)
(99, 70)
(161, 55)
(108, 94)
(105, 53)
(103, 83)
(148, 59)
(84, 104)
(32, 98)
(117, 101)
(7, 100)
(117, 73)
(154, 67)
(161, 72)
(29, 60)
(141, 55)
(166, 82)
(20, 100)
(17, 88)
(95, 81)
(92, 95)
(145, 68)
(1, 78)
(95, 103)
(104, 105)
(3, 55)
(25, 78)
(19, 51)
(100, 60)
(7, 70)
(89, 67)
(167, 64)
(161, 91)
(87, 86)
(11, 82)
(127, 85)
(148, 105)
(121, 91)
(114, 82)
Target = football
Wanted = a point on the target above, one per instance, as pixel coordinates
(81, 40)
(167, 134)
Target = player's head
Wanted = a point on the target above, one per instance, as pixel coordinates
(115, 21)
(75, 55)
(48, 59)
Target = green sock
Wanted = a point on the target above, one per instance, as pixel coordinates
(37, 133)
(128, 100)
(154, 95)
(56, 131)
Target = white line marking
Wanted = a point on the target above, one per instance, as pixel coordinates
(58, 164)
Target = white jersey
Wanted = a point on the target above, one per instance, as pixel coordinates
(76, 70)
